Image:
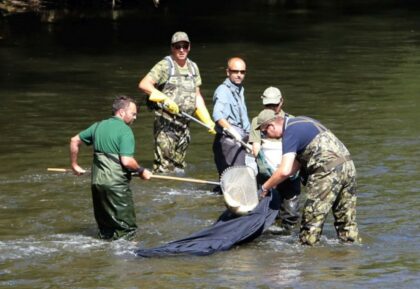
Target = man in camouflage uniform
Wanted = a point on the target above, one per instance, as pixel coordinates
(173, 85)
(327, 168)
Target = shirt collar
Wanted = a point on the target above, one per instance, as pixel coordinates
(117, 118)
(232, 86)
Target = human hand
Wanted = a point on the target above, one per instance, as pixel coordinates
(262, 192)
(78, 170)
(171, 106)
(146, 174)
(233, 133)
(248, 148)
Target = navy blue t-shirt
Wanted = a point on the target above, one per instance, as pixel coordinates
(297, 136)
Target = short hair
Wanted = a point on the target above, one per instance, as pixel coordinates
(121, 102)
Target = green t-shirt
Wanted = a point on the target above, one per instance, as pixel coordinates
(160, 72)
(111, 136)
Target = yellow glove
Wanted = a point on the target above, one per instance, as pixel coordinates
(171, 106)
(157, 96)
(168, 104)
(202, 113)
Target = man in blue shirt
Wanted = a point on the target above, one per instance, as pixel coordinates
(231, 117)
(326, 166)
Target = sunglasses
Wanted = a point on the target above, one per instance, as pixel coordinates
(179, 46)
(237, 71)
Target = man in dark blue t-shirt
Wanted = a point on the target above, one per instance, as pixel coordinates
(326, 167)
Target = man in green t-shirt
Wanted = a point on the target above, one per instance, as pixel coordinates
(113, 164)
(173, 84)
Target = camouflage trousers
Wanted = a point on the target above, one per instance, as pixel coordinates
(171, 143)
(336, 190)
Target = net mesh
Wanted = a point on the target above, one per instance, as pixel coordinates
(239, 187)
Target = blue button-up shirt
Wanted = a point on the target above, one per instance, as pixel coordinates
(229, 103)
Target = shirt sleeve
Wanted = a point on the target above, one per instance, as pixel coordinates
(159, 73)
(254, 135)
(290, 142)
(127, 144)
(198, 80)
(221, 102)
(86, 135)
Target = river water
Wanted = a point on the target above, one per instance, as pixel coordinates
(357, 73)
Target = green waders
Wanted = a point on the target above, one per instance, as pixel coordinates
(172, 134)
(331, 184)
(112, 198)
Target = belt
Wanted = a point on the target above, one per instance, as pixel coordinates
(332, 164)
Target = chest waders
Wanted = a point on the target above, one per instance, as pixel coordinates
(172, 134)
(323, 153)
(331, 184)
(112, 197)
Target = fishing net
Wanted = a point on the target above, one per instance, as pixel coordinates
(239, 187)
(229, 230)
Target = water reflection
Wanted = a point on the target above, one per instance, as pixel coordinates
(358, 74)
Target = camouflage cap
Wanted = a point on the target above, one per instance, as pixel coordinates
(180, 36)
(271, 95)
(265, 116)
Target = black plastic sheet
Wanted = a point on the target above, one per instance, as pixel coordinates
(229, 230)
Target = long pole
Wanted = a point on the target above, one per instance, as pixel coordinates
(246, 146)
(190, 180)
(185, 179)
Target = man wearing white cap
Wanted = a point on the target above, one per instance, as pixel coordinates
(268, 153)
(173, 86)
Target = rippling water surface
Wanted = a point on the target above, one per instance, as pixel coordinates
(358, 74)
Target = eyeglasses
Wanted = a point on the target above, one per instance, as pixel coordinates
(179, 46)
(237, 71)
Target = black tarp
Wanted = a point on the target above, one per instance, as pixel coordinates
(229, 230)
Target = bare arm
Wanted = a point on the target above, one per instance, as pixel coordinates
(223, 123)
(288, 167)
(199, 100)
(256, 146)
(199, 96)
(131, 164)
(75, 143)
(147, 85)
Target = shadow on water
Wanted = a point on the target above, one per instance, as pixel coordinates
(357, 72)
